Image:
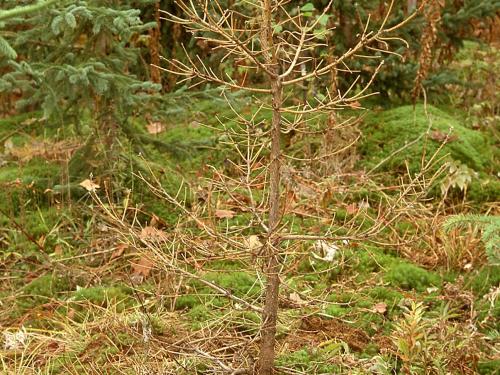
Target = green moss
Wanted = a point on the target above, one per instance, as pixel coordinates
(487, 311)
(103, 296)
(370, 322)
(382, 294)
(489, 367)
(67, 362)
(38, 171)
(408, 276)
(365, 302)
(308, 361)
(20, 184)
(123, 339)
(186, 302)
(482, 281)
(343, 298)
(160, 327)
(200, 314)
(225, 265)
(103, 355)
(43, 289)
(247, 321)
(390, 130)
(484, 188)
(403, 226)
(371, 259)
(239, 283)
(12, 122)
(370, 350)
(336, 310)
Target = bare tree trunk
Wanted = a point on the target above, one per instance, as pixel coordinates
(345, 21)
(154, 47)
(411, 5)
(278, 61)
(270, 312)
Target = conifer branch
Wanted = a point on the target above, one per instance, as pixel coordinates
(23, 10)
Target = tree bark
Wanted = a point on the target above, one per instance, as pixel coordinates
(411, 5)
(154, 47)
(272, 266)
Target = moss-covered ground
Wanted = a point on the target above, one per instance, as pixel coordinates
(83, 300)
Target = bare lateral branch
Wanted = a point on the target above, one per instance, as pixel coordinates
(365, 40)
(208, 24)
(156, 248)
(190, 73)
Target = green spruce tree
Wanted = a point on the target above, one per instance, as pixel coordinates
(80, 62)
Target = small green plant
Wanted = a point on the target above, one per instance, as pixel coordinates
(409, 337)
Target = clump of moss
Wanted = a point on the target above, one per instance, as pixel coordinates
(307, 361)
(248, 322)
(336, 311)
(187, 301)
(344, 297)
(370, 322)
(486, 278)
(371, 259)
(483, 189)
(239, 283)
(43, 289)
(488, 311)
(200, 314)
(381, 294)
(408, 276)
(393, 129)
(489, 367)
(103, 296)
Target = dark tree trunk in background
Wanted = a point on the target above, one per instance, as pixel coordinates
(411, 5)
(154, 46)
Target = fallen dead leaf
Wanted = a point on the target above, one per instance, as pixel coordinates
(8, 146)
(253, 243)
(224, 214)
(119, 250)
(89, 185)
(143, 267)
(380, 308)
(30, 121)
(351, 209)
(295, 298)
(150, 233)
(155, 127)
(443, 137)
(58, 249)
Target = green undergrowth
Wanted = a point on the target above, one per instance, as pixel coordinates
(366, 287)
(202, 303)
(311, 361)
(44, 289)
(392, 129)
(397, 139)
(24, 122)
(483, 280)
(489, 367)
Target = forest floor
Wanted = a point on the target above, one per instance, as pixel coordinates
(80, 294)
